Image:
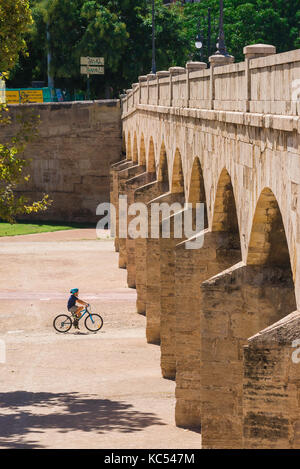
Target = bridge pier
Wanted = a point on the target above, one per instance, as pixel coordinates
(153, 261)
(167, 296)
(219, 251)
(123, 176)
(235, 305)
(271, 388)
(131, 185)
(144, 195)
(114, 195)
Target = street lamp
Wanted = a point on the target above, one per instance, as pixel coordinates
(199, 42)
(153, 38)
(221, 47)
(211, 29)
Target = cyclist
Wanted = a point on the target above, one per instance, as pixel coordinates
(75, 310)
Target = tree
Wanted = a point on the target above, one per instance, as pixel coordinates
(275, 22)
(14, 20)
(12, 166)
(120, 31)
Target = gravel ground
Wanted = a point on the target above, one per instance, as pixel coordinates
(79, 390)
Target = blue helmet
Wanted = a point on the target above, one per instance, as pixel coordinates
(74, 290)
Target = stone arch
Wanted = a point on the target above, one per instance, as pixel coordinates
(128, 147)
(135, 149)
(197, 188)
(163, 172)
(151, 157)
(142, 155)
(225, 214)
(123, 144)
(268, 243)
(177, 186)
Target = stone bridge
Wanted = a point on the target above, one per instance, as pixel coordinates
(225, 315)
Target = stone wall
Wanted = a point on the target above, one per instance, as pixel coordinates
(271, 387)
(228, 137)
(71, 158)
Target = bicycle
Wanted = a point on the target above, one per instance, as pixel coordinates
(93, 322)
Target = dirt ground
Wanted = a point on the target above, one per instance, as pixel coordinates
(80, 390)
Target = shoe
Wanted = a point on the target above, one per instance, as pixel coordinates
(75, 324)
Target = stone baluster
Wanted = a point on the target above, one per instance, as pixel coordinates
(150, 76)
(128, 94)
(134, 87)
(160, 74)
(174, 71)
(142, 79)
(192, 67)
(217, 60)
(253, 52)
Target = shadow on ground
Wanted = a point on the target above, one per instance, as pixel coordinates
(24, 412)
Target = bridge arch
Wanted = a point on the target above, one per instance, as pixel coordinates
(128, 147)
(123, 144)
(196, 192)
(135, 149)
(224, 211)
(142, 155)
(268, 242)
(151, 157)
(177, 185)
(163, 171)
(196, 187)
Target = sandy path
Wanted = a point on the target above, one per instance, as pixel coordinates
(79, 390)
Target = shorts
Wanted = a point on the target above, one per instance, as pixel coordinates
(73, 309)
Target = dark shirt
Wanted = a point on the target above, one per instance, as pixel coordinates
(72, 301)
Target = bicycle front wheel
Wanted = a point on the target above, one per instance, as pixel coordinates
(62, 323)
(93, 322)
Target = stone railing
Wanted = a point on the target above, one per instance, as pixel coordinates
(266, 83)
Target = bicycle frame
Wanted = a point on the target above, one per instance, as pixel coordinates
(86, 311)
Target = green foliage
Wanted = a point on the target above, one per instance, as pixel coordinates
(246, 22)
(12, 166)
(15, 18)
(120, 31)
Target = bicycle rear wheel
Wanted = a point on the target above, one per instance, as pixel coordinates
(62, 323)
(93, 322)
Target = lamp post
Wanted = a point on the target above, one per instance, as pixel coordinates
(211, 27)
(199, 41)
(153, 38)
(209, 32)
(221, 47)
(50, 78)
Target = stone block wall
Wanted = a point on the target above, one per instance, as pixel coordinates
(227, 137)
(144, 195)
(71, 158)
(271, 387)
(234, 303)
(131, 186)
(193, 267)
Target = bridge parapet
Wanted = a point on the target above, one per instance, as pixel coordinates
(265, 83)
